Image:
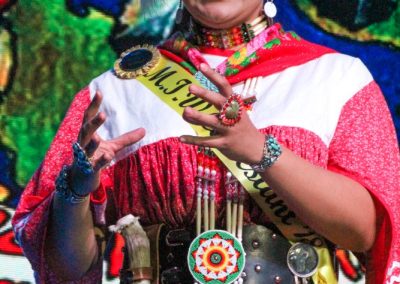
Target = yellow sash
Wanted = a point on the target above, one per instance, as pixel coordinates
(169, 81)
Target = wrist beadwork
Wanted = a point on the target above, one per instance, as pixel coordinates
(81, 160)
(271, 152)
(64, 190)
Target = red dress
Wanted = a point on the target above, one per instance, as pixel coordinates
(326, 109)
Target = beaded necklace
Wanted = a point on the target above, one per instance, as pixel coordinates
(189, 56)
(228, 38)
(266, 40)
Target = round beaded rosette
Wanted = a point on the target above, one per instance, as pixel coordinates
(216, 257)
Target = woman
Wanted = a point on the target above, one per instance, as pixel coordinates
(317, 131)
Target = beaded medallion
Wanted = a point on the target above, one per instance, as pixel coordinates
(216, 257)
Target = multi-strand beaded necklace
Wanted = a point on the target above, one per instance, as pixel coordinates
(228, 38)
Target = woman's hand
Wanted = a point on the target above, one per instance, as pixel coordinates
(241, 142)
(100, 152)
(310, 191)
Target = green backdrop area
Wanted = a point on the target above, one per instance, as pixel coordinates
(57, 54)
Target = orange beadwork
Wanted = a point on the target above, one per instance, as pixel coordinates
(227, 39)
(231, 111)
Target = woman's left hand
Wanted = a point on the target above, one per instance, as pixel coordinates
(241, 142)
(309, 190)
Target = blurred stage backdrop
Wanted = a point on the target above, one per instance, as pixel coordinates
(50, 49)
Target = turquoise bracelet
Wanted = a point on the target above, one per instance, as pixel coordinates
(271, 152)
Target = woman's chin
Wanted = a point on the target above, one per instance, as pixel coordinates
(219, 20)
(218, 23)
(223, 15)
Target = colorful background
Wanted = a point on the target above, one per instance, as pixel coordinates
(50, 49)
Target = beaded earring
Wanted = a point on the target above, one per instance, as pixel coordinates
(179, 13)
(270, 9)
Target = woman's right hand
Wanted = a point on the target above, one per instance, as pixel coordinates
(100, 152)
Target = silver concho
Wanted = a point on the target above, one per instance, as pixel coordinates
(302, 260)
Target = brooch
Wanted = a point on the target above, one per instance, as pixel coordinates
(136, 61)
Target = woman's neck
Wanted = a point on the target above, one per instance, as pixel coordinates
(232, 38)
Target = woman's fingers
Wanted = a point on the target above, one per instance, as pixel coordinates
(102, 152)
(89, 128)
(93, 107)
(92, 120)
(214, 98)
(216, 141)
(198, 118)
(217, 99)
(93, 144)
(128, 139)
(103, 161)
(222, 84)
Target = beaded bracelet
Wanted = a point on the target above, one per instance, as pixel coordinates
(205, 82)
(81, 160)
(63, 188)
(271, 152)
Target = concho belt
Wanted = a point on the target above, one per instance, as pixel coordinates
(269, 257)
